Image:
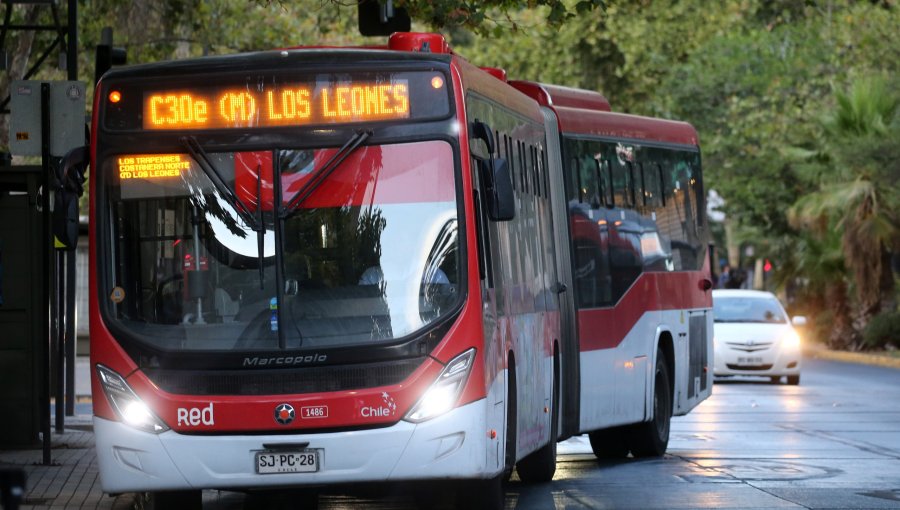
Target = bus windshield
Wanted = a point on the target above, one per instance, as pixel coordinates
(371, 255)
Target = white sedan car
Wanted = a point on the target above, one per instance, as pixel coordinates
(753, 336)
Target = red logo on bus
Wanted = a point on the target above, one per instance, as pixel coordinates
(284, 413)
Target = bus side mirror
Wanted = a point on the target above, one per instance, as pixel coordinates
(495, 177)
(499, 191)
(481, 141)
(68, 188)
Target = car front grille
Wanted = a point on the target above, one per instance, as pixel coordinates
(749, 367)
(749, 347)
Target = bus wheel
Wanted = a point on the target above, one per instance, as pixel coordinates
(282, 499)
(651, 438)
(609, 443)
(487, 494)
(509, 461)
(540, 466)
(167, 500)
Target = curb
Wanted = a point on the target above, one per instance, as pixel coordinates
(853, 357)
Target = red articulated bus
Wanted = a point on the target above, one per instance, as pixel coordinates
(341, 265)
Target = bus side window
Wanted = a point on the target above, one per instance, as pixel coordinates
(517, 185)
(652, 188)
(662, 185)
(605, 177)
(520, 152)
(546, 172)
(629, 184)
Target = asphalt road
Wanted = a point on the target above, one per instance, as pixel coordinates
(833, 442)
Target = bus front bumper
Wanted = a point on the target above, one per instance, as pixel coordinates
(447, 447)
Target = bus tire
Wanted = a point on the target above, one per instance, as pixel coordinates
(282, 499)
(487, 494)
(540, 465)
(509, 450)
(609, 444)
(651, 438)
(167, 500)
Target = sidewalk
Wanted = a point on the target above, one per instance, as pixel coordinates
(864, 358)
(72, 479)
(73, 482)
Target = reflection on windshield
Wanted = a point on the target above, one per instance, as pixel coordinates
(748, 310)
(370, 256)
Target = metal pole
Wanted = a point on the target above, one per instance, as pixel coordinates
(71, 315)
(71, 254)
(72, 40)
(196, 221)
(59, 331)
(48, 277)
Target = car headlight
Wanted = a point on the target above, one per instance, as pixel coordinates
(445, 391)
(131, 410)
(791, 340)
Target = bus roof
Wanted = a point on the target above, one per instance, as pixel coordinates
(585, 112)
(274, 59)
(577, 121)
(558, 96)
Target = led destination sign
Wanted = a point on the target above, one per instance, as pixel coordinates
(281, 105)
(151, 166)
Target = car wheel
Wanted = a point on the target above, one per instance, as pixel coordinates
(793, 380)
(775, 379)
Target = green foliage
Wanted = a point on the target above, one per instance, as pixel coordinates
(490, 17)
(882, 331)
(854, 174)
(795, 101)
(868, 109)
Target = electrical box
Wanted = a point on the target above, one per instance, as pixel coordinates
(67, 102)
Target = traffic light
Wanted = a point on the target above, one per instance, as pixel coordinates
(767, 266)
(107, 55)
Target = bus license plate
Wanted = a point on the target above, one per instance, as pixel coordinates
(287, 462)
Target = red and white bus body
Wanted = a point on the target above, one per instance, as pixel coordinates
(631, 239)
(213, 353)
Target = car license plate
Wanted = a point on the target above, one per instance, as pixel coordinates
(750, 360)
(305, 461)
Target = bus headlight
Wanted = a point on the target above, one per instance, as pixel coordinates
(445, 391)
(131, 410)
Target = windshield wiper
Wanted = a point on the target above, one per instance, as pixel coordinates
(319, 176)
(202, 158)
(256, 224)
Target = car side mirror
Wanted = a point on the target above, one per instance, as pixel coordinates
(798, 321)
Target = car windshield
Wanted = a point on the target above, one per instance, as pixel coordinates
(370, 256)
(748, 309)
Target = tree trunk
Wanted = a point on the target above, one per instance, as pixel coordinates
(842, 335)
(888, 296)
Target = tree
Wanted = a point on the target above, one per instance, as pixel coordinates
(856, 170)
